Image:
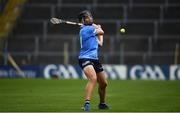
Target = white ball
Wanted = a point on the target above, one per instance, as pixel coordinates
(122, 30)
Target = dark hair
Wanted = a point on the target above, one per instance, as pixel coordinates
(84, 14)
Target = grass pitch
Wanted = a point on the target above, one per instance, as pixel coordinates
(40, 95)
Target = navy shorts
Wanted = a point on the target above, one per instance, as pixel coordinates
(95, 63)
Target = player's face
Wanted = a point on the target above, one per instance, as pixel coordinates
(88, 20)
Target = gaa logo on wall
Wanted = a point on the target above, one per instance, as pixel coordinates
(174, 72)
(122, 72)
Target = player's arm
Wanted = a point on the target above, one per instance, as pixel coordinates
(99, 33)
(100, 40)
(99, 30)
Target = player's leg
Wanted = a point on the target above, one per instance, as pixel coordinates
(91, 76)
(102, 90)
(102, 86)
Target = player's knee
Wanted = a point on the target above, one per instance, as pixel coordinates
(103, 85)
(93, 79)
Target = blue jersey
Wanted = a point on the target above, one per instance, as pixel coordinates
(89, 43)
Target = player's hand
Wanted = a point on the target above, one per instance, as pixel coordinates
(97, 26)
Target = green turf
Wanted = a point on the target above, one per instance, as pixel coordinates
(67, 95)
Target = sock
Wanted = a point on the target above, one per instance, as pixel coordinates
(87, 101)
(102, 103)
